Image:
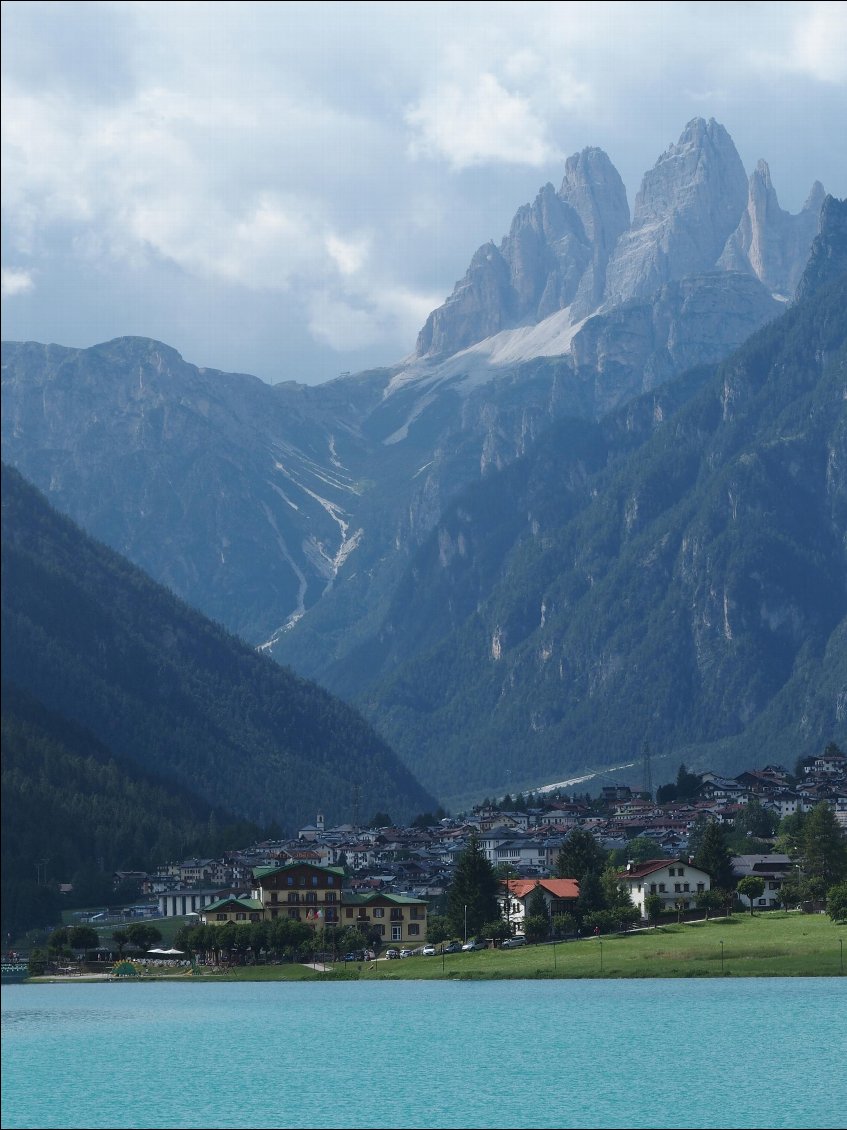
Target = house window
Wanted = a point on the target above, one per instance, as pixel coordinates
(274, 913)
(254, 917)
(274, 897)
(396, 913)
(677, 887)
(291, 880)
(701, 887)
(680, 870)
(763, 902)
(330, 896)
(379, 912)
(348, 912)
(293, 896)
(311, 896)
(331, 914)
(314, 880)
(661, 888)
(330, 882)
(686, 886)
(652, 888)
(414, 930)
(672, 871)
(302, 880)
(397, 933)
(220, 917)
(240, 916)
(381, 931)
(294, 914)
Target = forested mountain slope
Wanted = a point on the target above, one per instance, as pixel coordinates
(157, 684)
(688, 595)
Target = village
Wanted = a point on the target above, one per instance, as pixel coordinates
(386, 879)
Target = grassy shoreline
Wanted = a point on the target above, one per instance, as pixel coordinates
(776, 944)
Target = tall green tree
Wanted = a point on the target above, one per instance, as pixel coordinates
(714, 858)
(472, 897)
(579, 854)
(824, 846)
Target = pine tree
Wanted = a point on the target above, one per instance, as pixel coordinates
(472, 899)
(714, 858)
(824, 846)
(579, 854)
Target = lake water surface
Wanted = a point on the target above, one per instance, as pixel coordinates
(655, 1053)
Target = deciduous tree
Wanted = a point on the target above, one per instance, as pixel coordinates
(752, 887)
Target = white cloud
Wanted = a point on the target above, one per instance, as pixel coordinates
(820, 47)
(478, 123)
(292, 156)
(16, 281)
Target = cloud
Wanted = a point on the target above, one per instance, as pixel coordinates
(476, 123)
(292, 158)
(820, 48)
(16, 282)
(814, 45)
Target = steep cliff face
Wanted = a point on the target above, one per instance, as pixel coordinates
(688, 592)
(688, 206)
(770, 243)
(574, 253)
(554, 256)
(234, 494)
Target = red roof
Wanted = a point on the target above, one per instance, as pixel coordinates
(558, 888)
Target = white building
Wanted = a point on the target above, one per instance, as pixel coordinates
(673, 880)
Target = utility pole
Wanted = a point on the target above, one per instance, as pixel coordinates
(648, 773)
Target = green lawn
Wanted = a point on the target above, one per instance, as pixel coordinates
(776, 944)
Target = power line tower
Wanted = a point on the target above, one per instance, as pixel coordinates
(647, 778)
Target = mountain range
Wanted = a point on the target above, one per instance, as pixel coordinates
(324, 524)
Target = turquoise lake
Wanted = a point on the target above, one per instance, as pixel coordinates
(660, 1053)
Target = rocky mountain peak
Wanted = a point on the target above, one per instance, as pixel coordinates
(770, 243)
(688, 205)
(592, 186)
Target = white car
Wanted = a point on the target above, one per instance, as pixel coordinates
(428, 951)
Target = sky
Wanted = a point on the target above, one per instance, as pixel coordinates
(289, 189)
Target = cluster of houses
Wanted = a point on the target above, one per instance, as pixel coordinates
(391, 874)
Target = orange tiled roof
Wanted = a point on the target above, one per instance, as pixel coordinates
(558, 888)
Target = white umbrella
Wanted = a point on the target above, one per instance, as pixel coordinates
(173, 951)
(158, 951)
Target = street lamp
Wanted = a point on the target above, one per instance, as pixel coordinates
(721, 958)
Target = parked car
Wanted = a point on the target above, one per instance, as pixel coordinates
(428, 951)
(405, 953)
(474, 944)
(513, 943)
(392, 954)
(454, 947)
